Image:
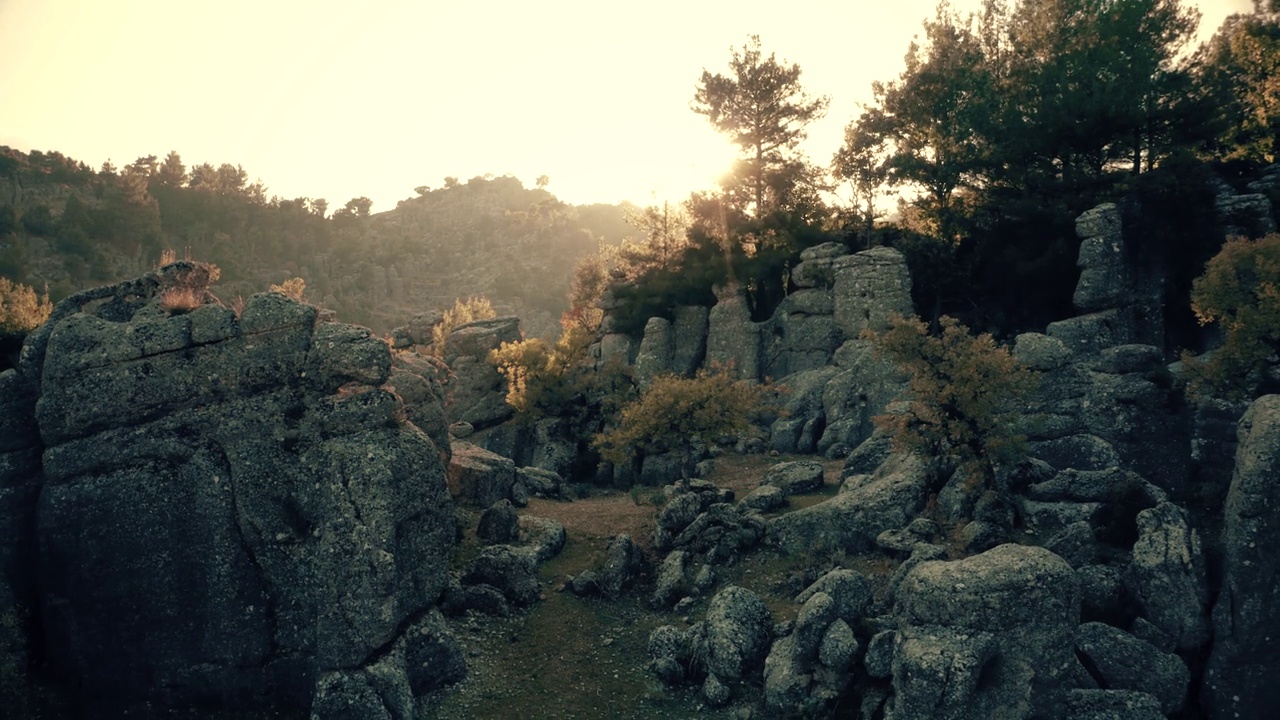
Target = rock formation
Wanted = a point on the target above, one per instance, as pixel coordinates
(1243, 677)
(222, 511)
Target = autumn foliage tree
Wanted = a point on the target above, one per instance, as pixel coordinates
(1240, 293)
(676, 414)
(462, 312)
(963, 392)
(21, 308)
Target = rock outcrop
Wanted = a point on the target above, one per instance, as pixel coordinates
(1243, 676)
(987, 636)
(221, 511)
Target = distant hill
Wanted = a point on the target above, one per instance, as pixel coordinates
(66, 226)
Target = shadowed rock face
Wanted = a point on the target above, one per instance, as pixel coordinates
(1243, 676)
(231, 507)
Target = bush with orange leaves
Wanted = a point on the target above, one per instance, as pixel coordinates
(963, 395)
(1240, 291)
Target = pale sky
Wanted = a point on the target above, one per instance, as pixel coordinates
(342, 99)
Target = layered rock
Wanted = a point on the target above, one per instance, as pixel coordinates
(232, 508)
(1116, 309)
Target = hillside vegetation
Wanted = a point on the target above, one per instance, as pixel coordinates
(66, 227)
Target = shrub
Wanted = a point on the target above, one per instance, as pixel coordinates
(292, 288)
(559, 380)
(1240, 291)
(676, 414)
(178, 300)
(184, 285)
(21, 310)
(462, 312)
(962, 391)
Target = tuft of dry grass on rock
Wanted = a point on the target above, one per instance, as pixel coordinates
(179, 299)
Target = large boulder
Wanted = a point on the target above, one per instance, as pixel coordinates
(688, 339)
(795, 477)
(1104, 276)
(870, 287)
(655, 355)
(232, 507)
(851, 520)
(733, 340)
(987, 636)
(1243, 675)
(1168, 575)
(478, 476)
(739, 628)
(1120, 661)
(476, 391)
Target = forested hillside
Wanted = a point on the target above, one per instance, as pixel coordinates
(66, 226)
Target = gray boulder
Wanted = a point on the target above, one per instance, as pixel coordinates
(987, 636)
(1096, 704)
(540, 483)
(733, 340)
(851, 520)
(689, 339)
(499, 524)
(655, 354)
(1168, 575)
(795, 477)
(231, 507)
(1121, 661)
(478, 476)
(1104, 277)
(512, 571)
(739, 628)
(850, 593)
(670, 584)
(624, 563)
(870, 286)
(763, 499)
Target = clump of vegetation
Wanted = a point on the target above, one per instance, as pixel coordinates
(963, 390)
(677, 414)
(462, 312)
(292, 288)
(184, 285)
(560, 380)
(21, 309)
(1240, 291)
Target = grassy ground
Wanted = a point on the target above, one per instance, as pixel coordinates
(572, 657)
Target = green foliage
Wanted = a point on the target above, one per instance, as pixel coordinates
(963, 389)
(1239, 69)
(21, 309)
(1240, 292)
(8, 220)
(1007, 124)
(763, 109)
(677, 413)
(39, 221)
(462, 312)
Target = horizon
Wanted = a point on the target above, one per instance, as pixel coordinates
(314, 102)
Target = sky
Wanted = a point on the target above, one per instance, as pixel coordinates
(337, 100)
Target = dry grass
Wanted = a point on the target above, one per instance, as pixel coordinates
(601, 516)
(616, 513)
(181, 299)
(743, 473)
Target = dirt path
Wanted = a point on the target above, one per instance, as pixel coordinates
(572, 657)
